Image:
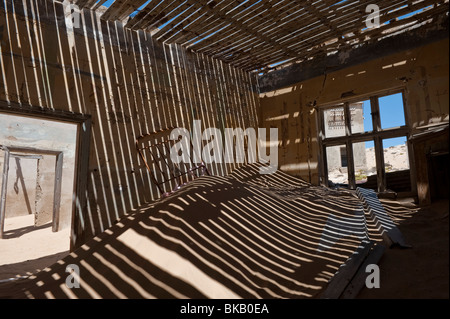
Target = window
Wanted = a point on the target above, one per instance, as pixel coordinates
(392, 112)
(364, 140)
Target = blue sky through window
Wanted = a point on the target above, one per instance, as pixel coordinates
(367, 117)
(391, 111)
(392, 115)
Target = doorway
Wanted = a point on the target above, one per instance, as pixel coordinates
(41, 188)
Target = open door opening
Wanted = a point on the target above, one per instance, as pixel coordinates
(38, 162)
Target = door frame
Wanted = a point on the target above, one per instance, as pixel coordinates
(84, 122)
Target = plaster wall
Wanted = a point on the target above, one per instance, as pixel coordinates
(128, 83)
(421, 72)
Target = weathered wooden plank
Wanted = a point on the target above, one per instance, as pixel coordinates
(231, 8)
(305, 40)
(190, 11)
(119, 9)
(379, 154)
(57, 190)
(32, 89)
(347, 271)
(254, 19)
(86, 3)
(385, 29)
(323, 175)
(32, 150)
(12, 57)
(146, 14)
(349, 146)
(232, 25)
(69, 95)
(256, 34)
(209, 23)
(375, 208)
(4, 189)
(336, 18)
(144, 72)
(94, 5)
(292, 40)
(278, 25)
(268, 18)
(230, 40)
(270, 21)
(26, 156)
(266, 53)
(79, 228)
(359, 280)
(154, 16)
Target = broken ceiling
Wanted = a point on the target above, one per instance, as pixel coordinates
(259, 35)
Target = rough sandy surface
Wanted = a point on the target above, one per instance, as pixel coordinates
(26, 249)
(421, 272)
(242, 236)
(247, 236)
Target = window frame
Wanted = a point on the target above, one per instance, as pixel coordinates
(377, 135)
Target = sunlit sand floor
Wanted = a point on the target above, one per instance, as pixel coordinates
(26, 249)
(246, 236)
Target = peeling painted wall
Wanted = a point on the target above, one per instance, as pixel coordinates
(422, 73)
(129, 83)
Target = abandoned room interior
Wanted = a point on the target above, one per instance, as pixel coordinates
(223, 149)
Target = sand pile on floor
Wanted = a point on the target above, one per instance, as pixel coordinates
(26, 248)
(243, 236)
(421, 272)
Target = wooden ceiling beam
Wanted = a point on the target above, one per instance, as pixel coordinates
(228, 40)
(151, 13)
(84, 3)
(255, 34)
(352, 38)
(202, 28)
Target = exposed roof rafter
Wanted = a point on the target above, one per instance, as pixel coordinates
(258, 35)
